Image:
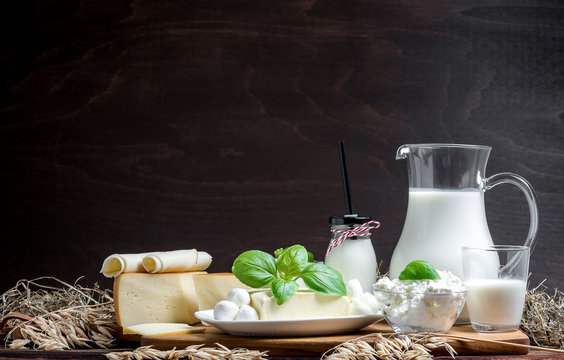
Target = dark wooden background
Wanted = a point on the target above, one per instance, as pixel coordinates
(130, 126)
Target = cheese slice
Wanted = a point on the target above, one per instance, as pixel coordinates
(141, 298)
(156, 262)
(116, 264)
(211, 288)
(303, 305)
(177, 261)
(161, 329)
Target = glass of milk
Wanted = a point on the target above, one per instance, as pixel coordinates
(496, 284)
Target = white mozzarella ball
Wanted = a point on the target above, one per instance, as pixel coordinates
(239, 296)
(225, 310)
(247, 313)
(370, 300)
(354, 289)
(359, 307)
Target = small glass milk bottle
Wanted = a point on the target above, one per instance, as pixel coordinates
(350, 250)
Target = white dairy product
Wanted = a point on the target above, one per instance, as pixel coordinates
(421, 305)
(246, 313)
(239, 296)
(359, 307)
(355, 259)
(370, 300)
(225, 310)
(354, 289)
(496, 303)
(438, 223)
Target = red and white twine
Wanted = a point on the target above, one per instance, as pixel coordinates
(361, 230)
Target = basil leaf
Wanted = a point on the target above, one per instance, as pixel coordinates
(324, 279)
(419, 270)
(291, 262)
(255, 268)
(283, 289)
(310, 257)
(278, 252)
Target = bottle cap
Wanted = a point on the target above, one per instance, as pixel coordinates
(349, 219)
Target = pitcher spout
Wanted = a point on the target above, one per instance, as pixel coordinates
(445, 166)
(402, 152)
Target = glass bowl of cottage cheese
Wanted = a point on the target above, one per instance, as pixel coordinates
(421, 305)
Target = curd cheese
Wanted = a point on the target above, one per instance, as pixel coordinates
(421, 305)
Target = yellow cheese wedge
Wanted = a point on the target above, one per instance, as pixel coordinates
(303, 305)
(161, 329)
(141, 298)
(211, 288)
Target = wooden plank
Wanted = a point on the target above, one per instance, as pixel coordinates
(96, 354)
(317, 345)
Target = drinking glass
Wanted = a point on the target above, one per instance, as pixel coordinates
(496, 283)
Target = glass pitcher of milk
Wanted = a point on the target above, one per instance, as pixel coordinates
(446, 204)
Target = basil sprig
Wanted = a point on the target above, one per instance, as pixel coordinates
(259, 269)
(419, 270)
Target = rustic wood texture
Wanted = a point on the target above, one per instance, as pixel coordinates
(99, 355)
(130, 126)
(318, 345)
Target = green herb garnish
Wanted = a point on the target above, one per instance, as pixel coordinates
(258, 269)
(279, 251)
(419, 270)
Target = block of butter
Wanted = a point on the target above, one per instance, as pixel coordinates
(212, 288)
(303, 305)
(141, 298)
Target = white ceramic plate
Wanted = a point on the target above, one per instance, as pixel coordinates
(294, 327)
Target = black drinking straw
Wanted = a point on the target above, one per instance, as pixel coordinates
(345, 174)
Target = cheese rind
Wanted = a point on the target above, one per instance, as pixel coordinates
(303, 305)
(141, 298)
(212, 288)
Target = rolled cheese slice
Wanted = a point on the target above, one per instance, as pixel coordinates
(116, 264)
(156, 262)
(176, 261)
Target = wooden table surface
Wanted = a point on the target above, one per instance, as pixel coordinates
(98, 355)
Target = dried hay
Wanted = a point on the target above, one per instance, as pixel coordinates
(391, 347)
(543, 317)
(57, 317)
(194, 352)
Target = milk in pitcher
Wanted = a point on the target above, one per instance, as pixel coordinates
(438, 223)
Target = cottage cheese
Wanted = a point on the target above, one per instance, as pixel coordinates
(421, 305)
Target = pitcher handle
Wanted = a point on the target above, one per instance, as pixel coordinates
(527, 189)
